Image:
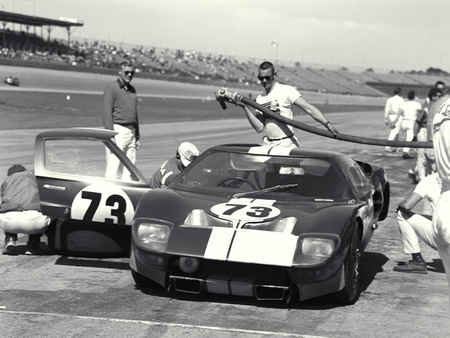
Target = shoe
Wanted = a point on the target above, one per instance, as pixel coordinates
(34, 249)
(9, 247)
(405, 156)
(412, 267)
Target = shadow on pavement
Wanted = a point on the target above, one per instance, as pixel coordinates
(371, 264)
(92, 263)
(436, 266)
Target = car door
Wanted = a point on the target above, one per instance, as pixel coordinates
(71, 170)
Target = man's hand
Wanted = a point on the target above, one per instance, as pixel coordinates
(237, 98)
(331, 128)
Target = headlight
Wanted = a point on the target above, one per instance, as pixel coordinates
(152, 234)
(200, 218)
(314, 249)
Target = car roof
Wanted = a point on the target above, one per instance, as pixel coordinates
(297, 151)
(98, 133)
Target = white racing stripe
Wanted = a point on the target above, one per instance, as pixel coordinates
(219, 243)
(155, 323)
(263, 247)
(251, 246)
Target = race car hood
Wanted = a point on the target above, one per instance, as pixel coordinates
(252, 234)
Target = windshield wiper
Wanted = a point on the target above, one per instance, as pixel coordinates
(262, 191)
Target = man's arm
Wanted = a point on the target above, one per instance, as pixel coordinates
(315, 113)
(256, 120)
(108, 105)
(410, 202)
(420, 122)
(387, 111)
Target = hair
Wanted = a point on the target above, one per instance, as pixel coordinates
(267, 65)
(397, 90)
(16, 168)
(433, 91)
(126, 63)
(411, 95)
(439, 83)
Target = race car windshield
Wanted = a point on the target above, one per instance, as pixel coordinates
(290, 178)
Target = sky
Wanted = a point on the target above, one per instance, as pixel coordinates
(399, 35)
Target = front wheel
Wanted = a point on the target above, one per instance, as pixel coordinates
(350, 293)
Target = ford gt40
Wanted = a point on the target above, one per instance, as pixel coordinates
(266, 222)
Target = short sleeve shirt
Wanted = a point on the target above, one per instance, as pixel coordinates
(279, 100)
(410, 110)
(430, 188)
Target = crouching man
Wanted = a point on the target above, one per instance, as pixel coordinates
(20, 211)
(413, 226)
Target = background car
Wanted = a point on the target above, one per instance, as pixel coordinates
(91, 212)
(12, 80)
(271, 223)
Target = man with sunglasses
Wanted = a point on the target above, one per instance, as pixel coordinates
(120, 114)
(186, 153)
(279, 98)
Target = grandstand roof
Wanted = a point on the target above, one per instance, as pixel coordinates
(37, 21)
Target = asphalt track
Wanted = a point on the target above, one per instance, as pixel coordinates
(56, 296)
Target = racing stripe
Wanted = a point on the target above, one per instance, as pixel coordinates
(263, 247)
(219, 243)
(251, 246)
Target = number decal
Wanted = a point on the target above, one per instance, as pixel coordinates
(119, 212)
(103, 203)
(95, 201)
(246, 210)
(259, 212)
(232, 210)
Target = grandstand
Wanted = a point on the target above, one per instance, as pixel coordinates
(29, 49)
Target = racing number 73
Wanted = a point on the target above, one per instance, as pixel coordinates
(254, 211)
(112, 201)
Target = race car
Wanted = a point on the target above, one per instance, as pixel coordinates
(273, 223)
(91, 211)
(12, 80)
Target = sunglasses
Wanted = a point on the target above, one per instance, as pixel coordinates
(262, 78)
(127, 72)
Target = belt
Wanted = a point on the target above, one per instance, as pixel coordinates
(280, 138)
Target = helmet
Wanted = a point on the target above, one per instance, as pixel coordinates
(188, 152)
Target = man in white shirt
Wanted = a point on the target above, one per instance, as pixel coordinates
(279, 98)
(413, 226)
(408, 113)
(441, 216)
(391, 112)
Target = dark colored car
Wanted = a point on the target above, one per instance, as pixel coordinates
(91, 212)
(271, 223)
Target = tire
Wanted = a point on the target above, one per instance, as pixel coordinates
(142, 281)
(350, 293)
(386, 201)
